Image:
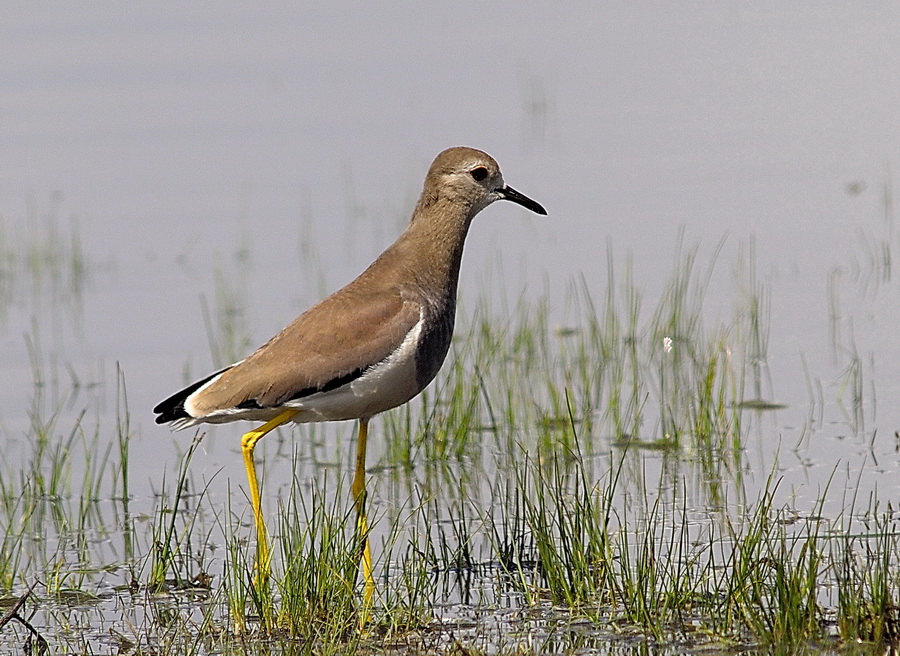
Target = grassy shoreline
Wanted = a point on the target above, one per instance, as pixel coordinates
(558, 488)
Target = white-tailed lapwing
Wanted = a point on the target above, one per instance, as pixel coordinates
(367, 348)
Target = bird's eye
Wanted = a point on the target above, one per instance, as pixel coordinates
(479, 173)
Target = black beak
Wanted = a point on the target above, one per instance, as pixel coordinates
(508, 193)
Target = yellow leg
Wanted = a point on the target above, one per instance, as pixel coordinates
(359, 496)
(248, 442)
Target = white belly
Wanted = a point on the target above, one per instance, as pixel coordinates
(391, 383)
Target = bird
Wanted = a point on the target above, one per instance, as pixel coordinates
(367, 348)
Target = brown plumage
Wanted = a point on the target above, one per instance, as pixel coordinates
(367, 348)
(339, 340)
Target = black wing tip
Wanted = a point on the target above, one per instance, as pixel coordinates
(172, 409)
(167, 415)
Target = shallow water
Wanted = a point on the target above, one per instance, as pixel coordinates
(283, 147)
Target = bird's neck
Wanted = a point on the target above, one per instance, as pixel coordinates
(434, 240)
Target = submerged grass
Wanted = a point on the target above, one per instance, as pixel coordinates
(170, 557)
(43, 260)
(226, 326)
(320, 554)
(588, 480)
(758, 579)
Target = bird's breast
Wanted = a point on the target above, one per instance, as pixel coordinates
(434, 342)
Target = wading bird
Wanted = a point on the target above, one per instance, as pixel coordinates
(367, 348)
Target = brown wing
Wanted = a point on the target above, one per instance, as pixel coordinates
(331, 342)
